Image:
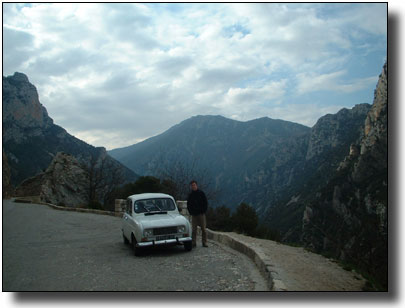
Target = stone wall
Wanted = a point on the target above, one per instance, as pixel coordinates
(120, 205)
(183, 209)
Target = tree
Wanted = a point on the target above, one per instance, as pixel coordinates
(178, 174)
(245, 219)
(104, 176)
(145, 184)
(219, 218)
(263, 231)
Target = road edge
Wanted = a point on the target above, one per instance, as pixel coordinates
(255, 254)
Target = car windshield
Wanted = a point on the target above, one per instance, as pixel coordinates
(153, 205)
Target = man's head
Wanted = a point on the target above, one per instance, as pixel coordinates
(193, 185)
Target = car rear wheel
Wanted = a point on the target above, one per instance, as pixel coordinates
(188, 246)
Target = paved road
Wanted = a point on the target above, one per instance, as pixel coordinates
(50, 250)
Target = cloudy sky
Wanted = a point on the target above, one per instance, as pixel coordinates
(116, 74)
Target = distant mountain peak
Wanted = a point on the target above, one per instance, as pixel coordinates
(19, 77)
(21, 107)
(30, 138)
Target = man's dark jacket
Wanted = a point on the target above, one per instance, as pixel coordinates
(197, 203)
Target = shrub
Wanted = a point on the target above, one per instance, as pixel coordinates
(267, 233)
(219, 218)
(245, 219)
(95, 205)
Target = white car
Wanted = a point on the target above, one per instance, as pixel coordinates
(153, 219)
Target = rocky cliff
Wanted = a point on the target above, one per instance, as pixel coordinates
(8, 189)
(334, 130)
(347, 219)
(31, 139)
(327, 145)
(65, 182)
(23, 114)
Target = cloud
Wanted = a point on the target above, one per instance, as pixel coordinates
(371, 19)
(249, 95)
(125, 72)
(310, 82)
(19, 49)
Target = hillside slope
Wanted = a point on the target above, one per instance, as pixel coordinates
(234, 154)
(31, 139)
(348, 217)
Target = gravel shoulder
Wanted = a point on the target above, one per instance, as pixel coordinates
(301, 270)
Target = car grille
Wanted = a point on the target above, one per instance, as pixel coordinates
(163, 231)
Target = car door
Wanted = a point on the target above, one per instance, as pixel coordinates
(126, 219)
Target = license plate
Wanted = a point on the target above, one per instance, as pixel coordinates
(164, 237)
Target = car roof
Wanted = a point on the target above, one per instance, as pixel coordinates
(149, 196)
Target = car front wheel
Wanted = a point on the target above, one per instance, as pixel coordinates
(188, 246)
(137, 250)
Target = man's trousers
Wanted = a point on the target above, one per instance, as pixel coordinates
(199, 220)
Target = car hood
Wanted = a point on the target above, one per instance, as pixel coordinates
(162, 220)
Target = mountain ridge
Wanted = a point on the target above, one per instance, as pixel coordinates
(31, 139)
(243, 156)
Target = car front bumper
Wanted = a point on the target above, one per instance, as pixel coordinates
(173, 241)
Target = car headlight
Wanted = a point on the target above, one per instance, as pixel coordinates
(181, 229)
(148, 233)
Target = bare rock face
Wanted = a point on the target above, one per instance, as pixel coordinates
(30, 187)
(350, 212)
(22, 110)
(7, 187)
(65, 183)
(373, 146)
(376, 119)
(334, 130)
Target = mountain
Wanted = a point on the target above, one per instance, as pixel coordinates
(328, 144)
(348, 217)
(338, 206)
(31, 139)
(234, 155)
(260, 162)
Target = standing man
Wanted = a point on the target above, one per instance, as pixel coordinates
(197, 207)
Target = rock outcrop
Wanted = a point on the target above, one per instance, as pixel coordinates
(347, 219)
(326, 148)
(23, 114)
(8, 189)
(65, 182)
(30, 187)
(333, 130)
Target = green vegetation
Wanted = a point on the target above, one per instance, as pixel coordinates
(95, 205)
(244, 221)
(145, 184)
